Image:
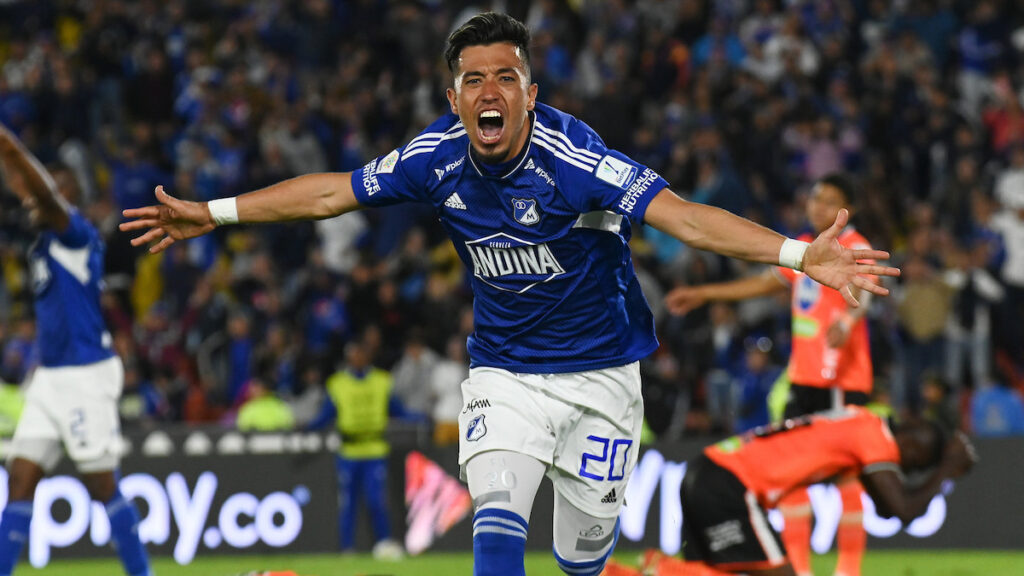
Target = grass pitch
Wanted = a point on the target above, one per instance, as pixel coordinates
(876, 563)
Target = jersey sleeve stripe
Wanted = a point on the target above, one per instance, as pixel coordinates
(559, 136)
(559, 154)
(543, 137)
(881, 466)
(430, 145)
(435, 135)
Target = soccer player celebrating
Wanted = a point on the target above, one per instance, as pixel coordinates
(727, 489)
(538, 208)
(830, 365)
(71, 399)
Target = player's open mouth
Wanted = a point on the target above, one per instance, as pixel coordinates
(490, 126)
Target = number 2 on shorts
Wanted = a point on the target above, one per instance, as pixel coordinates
(616, 461)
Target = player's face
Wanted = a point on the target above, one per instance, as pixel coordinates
(492, 95)
(823, 206)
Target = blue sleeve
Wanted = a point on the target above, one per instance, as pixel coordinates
(79, 231)
(592, 177)
(328, 414)
(401, 175)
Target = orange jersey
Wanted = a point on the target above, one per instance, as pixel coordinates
(774, 460)
(815, 308)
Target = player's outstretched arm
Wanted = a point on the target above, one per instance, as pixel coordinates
(824, 260)
(32, 183)
(308, 197)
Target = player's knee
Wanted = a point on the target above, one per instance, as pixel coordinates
(586, 552)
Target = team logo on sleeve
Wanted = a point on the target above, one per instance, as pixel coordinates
(525, 211)
(476, 429)
(387, 165)
(616, 172)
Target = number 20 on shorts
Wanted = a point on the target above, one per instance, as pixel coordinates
(595, 464)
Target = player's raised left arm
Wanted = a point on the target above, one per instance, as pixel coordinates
(32, 183)
(716, 230)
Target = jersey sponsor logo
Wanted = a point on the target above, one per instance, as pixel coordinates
(636, 189)
(454, 201)
(808, 292)
(476, 429)
(524, 210)
(540, 172)
(387, 165)
(616, 172)
(508, 263)
(610, 498)
(448, 168)
(370, 183)
(476, 404)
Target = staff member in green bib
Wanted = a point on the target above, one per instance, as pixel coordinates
(359, 402)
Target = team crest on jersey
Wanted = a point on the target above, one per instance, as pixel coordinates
(525, 211)
(476, 429)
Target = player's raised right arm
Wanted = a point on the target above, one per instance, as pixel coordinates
(308, 197)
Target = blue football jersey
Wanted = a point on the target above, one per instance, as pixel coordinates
(67, 276)
(547, 242)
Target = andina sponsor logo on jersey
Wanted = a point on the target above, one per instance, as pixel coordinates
(508, 263)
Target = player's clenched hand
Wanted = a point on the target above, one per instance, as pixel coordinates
(170, 220)
(683, 299)
(960, 456)
(832, 264)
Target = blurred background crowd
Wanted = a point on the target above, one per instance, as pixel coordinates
(741, 104)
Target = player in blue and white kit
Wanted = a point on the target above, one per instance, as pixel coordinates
(539, 209)
(71, 399)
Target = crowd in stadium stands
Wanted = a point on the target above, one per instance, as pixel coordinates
(737, 103)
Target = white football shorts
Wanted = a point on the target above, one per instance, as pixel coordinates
(72, 409)
(585, 426)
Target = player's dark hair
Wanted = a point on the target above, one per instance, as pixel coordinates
(488, 28)
(927, 432)
(844, 184)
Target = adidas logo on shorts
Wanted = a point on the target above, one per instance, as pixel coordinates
(609, 498)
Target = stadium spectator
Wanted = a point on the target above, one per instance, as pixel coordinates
(263, 411)
(997, 410)
(413, 374)
(446, 384)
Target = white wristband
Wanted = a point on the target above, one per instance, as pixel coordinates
(223, 211)
(791, 255)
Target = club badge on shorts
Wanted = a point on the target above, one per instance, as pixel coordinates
(476, 429)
